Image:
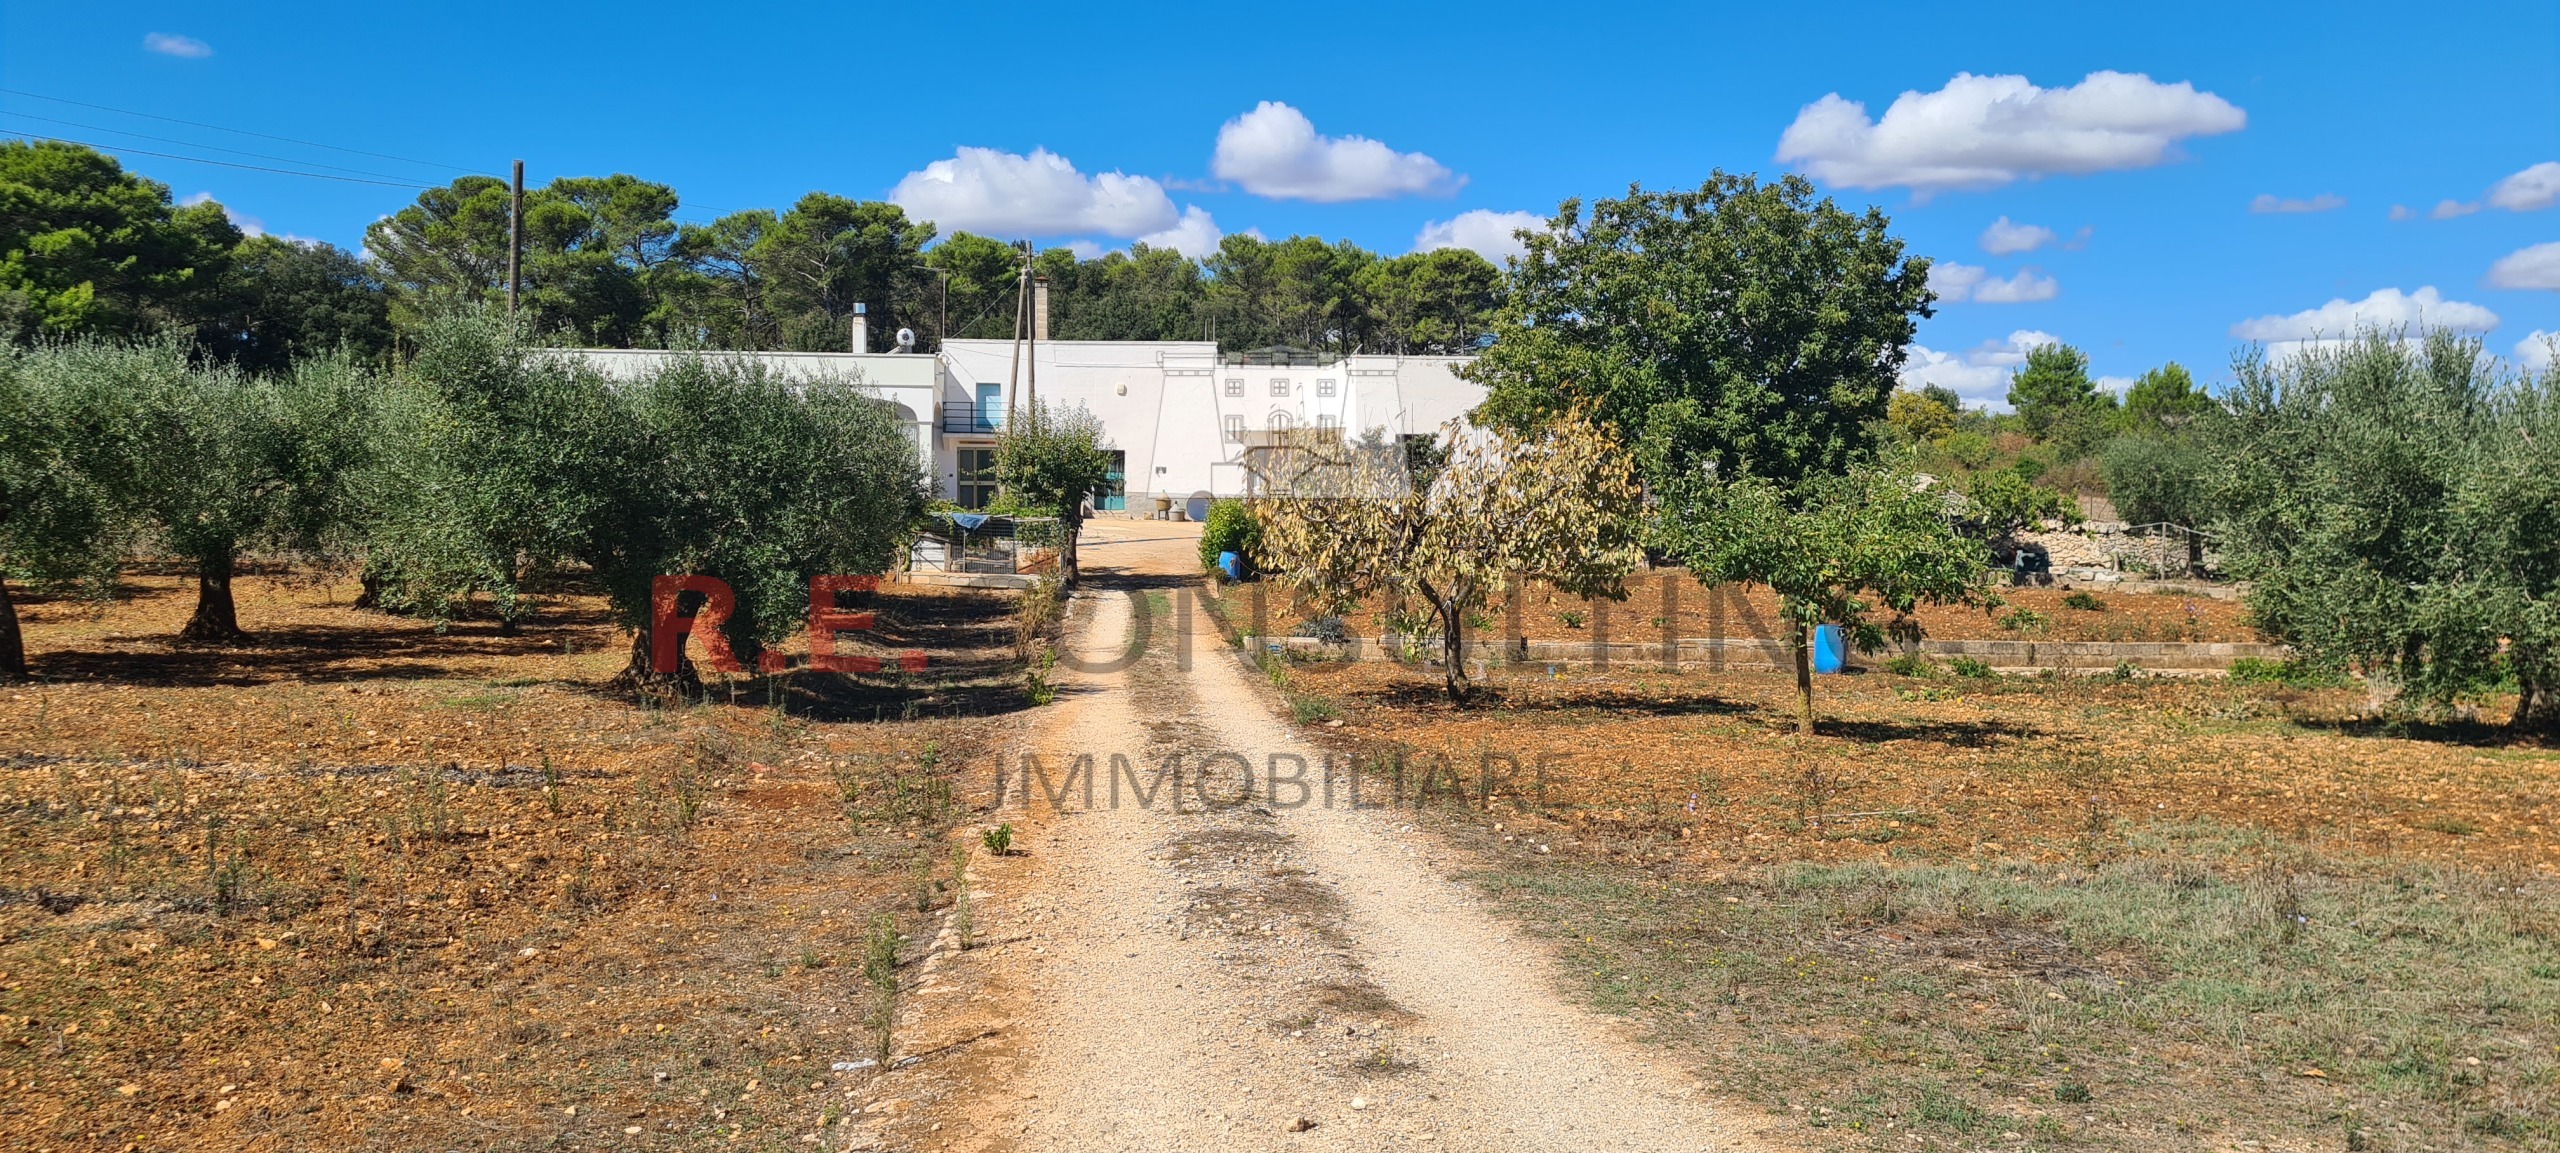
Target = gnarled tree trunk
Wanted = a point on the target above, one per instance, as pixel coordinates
(216, 620)
(2537, 707)
(13, 647)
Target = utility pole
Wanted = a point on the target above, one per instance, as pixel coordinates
(1013, 376)
(515, 239)
(1039, 322)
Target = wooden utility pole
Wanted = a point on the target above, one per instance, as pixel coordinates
(515, 239)
(1039, 286)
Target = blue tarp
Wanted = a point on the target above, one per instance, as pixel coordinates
(968, 521)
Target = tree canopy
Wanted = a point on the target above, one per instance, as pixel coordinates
(1557, 504)
(1738, 329)
(1835, 548)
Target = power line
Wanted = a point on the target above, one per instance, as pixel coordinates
(194, 144)
(245, 132)
(228, 164)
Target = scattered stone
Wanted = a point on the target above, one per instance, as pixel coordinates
(853, 1066)
(1301, 1125)
(1359, 1102)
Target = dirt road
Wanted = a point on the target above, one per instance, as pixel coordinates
(1241, 966)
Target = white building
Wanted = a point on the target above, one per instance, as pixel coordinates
(1180, 414)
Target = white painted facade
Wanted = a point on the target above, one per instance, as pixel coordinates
(1176, 410)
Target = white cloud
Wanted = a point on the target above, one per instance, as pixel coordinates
(2386, 309)
(2026, 287)
(1274, 151)
(1086, 249)
(2535, 351)
(2325, 202)
(2114, 385)
(2531, 190)
(245, 223)
(171, 44)
(2004, 238)
(1986, 131)
(1490, 233)
(2448, 209)
(1980, 376)
(2534, 267)
(1195, 235)
(1956, 283)
(2403, 212)
(984, 190)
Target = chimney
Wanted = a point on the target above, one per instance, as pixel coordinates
(1039, 308)
(861, 329)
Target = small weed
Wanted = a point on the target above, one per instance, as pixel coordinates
(1911, 665)
(921, 884)
(2071, 1093)
(1969, 668)
(1572, 618)
(880, 972)
(998, 840)
(2085, 603)
(963, 918)
(550, 786)
(1307, 710)
(2450, 826)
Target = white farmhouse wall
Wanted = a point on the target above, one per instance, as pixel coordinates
(1165, 404)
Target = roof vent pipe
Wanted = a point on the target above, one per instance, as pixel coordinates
(861, 329)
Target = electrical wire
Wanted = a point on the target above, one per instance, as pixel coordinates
(228, 164)
(244, 132)
(193, 144)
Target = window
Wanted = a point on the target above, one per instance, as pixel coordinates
(1327, 422)
(977, 477)
(1235, 386)
(1280, 421)
(1324, 386)
(1235, 427)
(1279, 386)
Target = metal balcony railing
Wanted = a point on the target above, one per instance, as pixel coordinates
(966, 416)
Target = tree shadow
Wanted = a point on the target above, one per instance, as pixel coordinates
(321, 654)
(2467, 733)
(1958, 734)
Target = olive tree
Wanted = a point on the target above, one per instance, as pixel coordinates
(1834, 548)
(1054, 458)
(740, 471)
(2394, 498)
(494, 461)
(70, 439)
(1557, 503)
(238, 463)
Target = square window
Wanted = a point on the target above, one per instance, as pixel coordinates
(1279, 386)
(1324, 386)
(1235, 386)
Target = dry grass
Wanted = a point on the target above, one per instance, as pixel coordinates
(370, 885)
(2037, 913)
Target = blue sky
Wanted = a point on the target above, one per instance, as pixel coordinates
(1482, 107)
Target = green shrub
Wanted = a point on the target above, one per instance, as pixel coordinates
(1231, 527)
(2024, 620)
(1912, 665)
(2084, 602)
(2292, 674)
(1969, 667)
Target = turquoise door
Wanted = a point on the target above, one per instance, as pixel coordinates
(1114, 496)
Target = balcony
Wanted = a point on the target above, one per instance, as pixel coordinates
(962, 416)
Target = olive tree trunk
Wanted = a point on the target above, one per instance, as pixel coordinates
(13, 647)
(2537, 707)
(216, 620)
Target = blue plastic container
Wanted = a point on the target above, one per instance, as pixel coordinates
(1232, 565)
(1830, 649)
